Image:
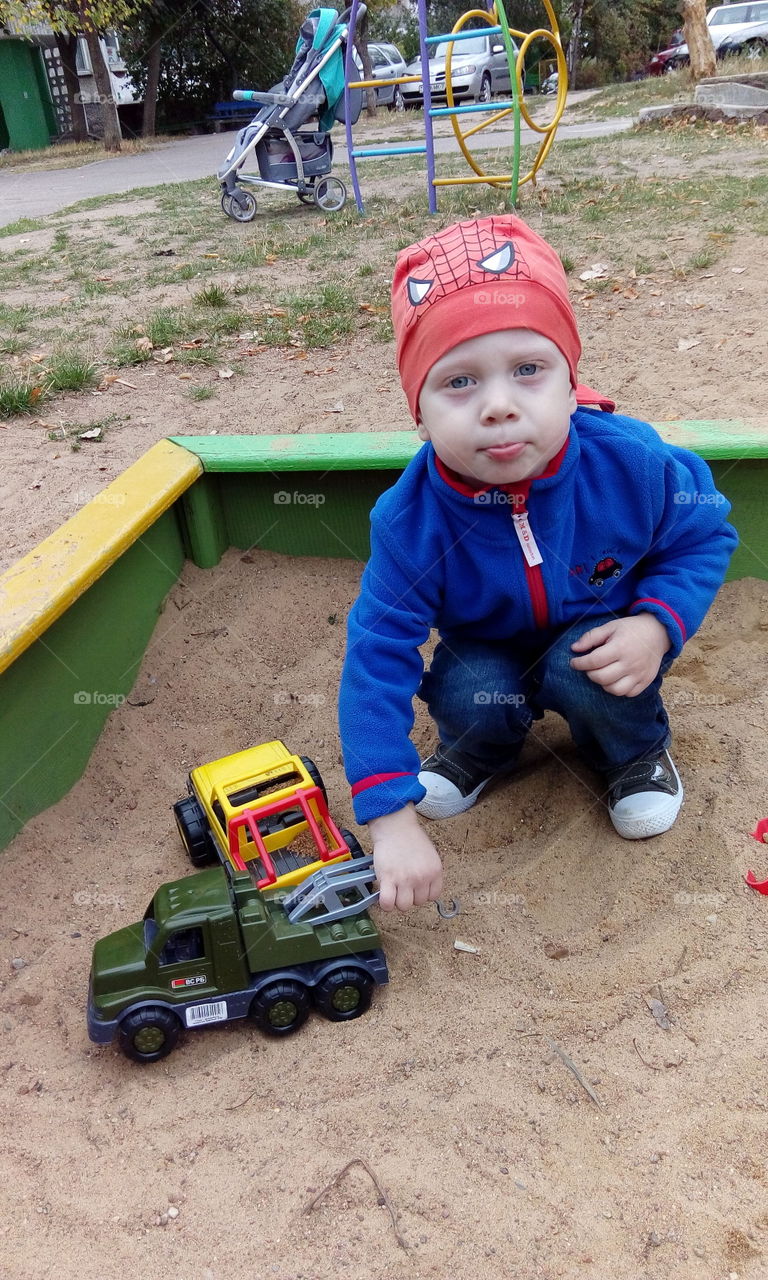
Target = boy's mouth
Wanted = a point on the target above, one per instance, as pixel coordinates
(503, 452)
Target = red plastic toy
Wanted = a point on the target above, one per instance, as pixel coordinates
(760, 833)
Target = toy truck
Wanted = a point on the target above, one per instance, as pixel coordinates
(214, 947)
(262, 811)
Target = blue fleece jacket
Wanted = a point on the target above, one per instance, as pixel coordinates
(624, 524)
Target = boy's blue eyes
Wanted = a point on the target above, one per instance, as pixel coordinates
(462, 380)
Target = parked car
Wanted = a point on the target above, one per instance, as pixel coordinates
(744, 21)
(386, 62)
(479, 68)
(750, 40)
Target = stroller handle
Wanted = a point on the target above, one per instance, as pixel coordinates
(261, 95)
(361, 12)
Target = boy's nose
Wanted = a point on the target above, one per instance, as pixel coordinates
(499, 402)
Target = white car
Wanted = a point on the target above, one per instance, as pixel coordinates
(479, 68)
(387, 62)
(730, 26)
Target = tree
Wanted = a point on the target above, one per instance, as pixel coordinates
(699, 41)
(198, 51)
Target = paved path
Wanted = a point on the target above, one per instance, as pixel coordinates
(31, 195)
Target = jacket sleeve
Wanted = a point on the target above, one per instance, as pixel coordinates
(692, 545)
(391, 618)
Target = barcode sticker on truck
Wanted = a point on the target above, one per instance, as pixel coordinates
(202, 1013)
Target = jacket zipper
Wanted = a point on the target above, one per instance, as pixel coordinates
(532, 561)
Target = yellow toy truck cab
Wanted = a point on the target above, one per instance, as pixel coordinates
(262, 811)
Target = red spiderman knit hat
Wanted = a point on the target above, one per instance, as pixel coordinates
(477, 277)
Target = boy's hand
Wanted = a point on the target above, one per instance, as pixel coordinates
(407, 864)
(624, 654)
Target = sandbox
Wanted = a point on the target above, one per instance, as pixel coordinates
(200, 604)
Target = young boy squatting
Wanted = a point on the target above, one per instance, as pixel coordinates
(564, 554)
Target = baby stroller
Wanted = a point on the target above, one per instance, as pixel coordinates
(288, 158)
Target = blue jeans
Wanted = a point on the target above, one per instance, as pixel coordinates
(485, 695)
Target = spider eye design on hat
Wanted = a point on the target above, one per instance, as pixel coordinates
(456, 259)
(418, 290)
(500, 260)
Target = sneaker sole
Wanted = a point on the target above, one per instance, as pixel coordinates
(655, 822)
(448, 808)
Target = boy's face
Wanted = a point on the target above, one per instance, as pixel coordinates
(498, 407)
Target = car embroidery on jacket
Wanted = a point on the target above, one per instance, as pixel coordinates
(470, 256)
(608, 568)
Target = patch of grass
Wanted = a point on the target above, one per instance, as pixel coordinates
(567, 261)
(311, 319)
(70, 371)
(72, 431)
(201, 393)
(12, 345)
(643, 266)
(365, 270)
(228, 322)
(701, 259)
(211, 296)
(125, 351)
(205, 355)
(21, 394)
(21, 225)
(164, 327)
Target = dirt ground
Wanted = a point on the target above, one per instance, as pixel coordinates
(492, 1155)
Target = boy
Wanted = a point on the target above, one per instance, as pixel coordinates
(564, 554)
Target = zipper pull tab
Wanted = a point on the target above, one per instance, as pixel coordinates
(526, 539)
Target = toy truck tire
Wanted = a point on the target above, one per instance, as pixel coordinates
(149, 1034)
(314, 774)
(194, 831)
(352, 843)
(281, 1008)
(344, 994)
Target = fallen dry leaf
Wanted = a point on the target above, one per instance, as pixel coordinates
(93, 434)
(143, 344)
(556, 950)
(598, 271)
(685, 344)
(226, 373)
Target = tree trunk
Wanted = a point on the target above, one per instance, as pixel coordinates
(698, 39)
(110, 120)
(154, 54)
(574, 44)
(361, 44)
(67, 44)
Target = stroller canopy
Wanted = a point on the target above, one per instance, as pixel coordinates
(317, 32)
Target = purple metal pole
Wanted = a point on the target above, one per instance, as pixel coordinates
(427, 92)
(349, 67)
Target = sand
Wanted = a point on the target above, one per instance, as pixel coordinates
(453, 1088)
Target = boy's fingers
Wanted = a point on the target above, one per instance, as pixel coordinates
(598, 635)
(404, 900)
(387, 893)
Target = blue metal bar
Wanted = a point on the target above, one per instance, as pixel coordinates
(463, 35)
(389, 151)
(475, 106)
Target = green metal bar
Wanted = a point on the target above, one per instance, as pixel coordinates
(512, 60)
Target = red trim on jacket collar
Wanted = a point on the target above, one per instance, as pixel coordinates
(470, 491)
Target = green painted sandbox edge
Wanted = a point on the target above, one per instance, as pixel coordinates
(385, 450)
(57, 696)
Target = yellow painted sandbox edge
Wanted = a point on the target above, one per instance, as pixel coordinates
(40, 587)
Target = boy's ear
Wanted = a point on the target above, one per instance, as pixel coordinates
(572, 402)
(422, 431)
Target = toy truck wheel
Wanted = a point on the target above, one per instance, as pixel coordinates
(314, 774)
(193, 829)
(344, 994)
(281, 1008)
(353, 844)
(149, 1034)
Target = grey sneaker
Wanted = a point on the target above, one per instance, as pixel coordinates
(453, 783)
(645, 797)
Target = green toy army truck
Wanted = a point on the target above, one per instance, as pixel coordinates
(213, 947)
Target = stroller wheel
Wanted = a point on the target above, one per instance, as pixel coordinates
(306, 197)
(240, 212)
(330, 194)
